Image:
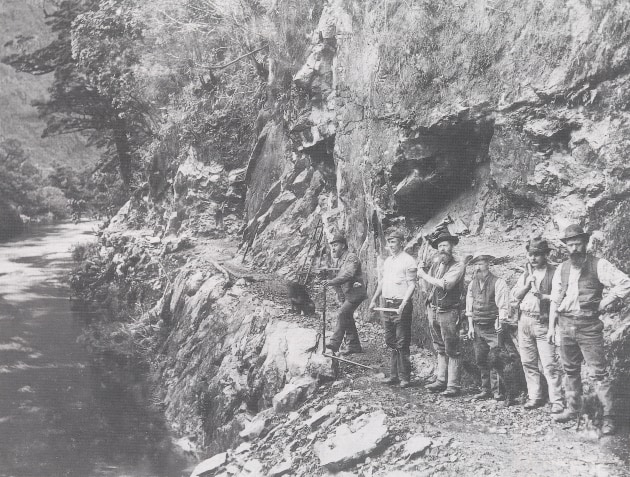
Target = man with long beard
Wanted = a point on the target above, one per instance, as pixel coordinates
(576, 303)
(445, 279)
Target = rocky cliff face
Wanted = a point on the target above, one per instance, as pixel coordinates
(510, 117)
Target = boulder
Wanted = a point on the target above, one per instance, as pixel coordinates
(209, 465)
(353, 443)
(321, 415)
(416, 445)
(281, 469)
(252, 468)
(258, 425)
(294, 393)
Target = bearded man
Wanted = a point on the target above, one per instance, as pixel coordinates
(576, 303)
(444, 278)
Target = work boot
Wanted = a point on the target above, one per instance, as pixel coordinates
(404, 383)
(565, 416)
(348, 351)
(533, 404)
(404, 367)
(556, 408)
(452, 389)
(440, 383)
(608, 426)
(393, 370)
(480, 396)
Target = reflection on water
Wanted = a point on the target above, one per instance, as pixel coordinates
(59, 414)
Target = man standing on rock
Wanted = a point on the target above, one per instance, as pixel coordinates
(576, 303)
(445, 278)
(487, 306)
(351, 291)
(396, 285)
(532, 294)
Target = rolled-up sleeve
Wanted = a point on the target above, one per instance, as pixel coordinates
(453, 276)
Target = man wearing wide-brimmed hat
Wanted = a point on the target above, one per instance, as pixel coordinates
(351, 291)
(487, 306)
(445, 281)
(576, 303)
(396, 284)
(531, 295)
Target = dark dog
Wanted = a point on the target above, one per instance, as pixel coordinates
(300, 300)
(508, 367)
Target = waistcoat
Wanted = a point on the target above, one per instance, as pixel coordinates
(589, 287)
(484, 306)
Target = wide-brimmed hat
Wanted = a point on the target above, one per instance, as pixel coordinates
(443, 236)
(574, 231)
(537, 245)
(394, 233)
(338, 237)
(482, 256)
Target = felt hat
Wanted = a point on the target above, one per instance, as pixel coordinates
(574, 231)
(537, 245)
(443, 236)
(395, 233)
(481, 256)
(338, 237)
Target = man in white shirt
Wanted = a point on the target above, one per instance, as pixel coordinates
(576, 302)
(396, 285)
(531, 295)
(487, 306)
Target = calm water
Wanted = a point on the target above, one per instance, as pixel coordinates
(59, 415)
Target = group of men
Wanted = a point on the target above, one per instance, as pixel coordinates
(554, 306)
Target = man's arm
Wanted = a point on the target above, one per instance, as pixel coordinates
(348, 270)
(615, 279)
(411, 286)
(469, 314)
(450, 279)
(556, 284)
(521, 288)
(502, 300)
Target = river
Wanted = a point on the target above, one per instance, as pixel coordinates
(59, 416)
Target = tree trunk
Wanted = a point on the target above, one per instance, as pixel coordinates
(122, 149)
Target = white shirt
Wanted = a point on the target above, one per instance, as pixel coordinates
(399, 271)
(530, 302)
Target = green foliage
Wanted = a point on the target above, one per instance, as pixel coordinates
(19, 178)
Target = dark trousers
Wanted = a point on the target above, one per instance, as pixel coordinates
(486, 337)
(398, 337)
(346, 327)
(583, 339)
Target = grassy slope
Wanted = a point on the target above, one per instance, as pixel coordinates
(18, 119)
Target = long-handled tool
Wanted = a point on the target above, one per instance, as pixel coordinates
(344, 360)
(324, 321)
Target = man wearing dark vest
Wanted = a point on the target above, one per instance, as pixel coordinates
(487, 306)
(532, 294)
(445, 281)
(351, 291)
(576, 302)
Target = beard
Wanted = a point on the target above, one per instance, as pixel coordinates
(444, 257)
(577, 258)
